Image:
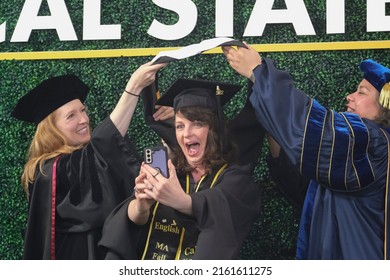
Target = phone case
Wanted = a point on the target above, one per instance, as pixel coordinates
(157, 157)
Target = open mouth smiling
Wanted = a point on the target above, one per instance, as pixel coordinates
(192, 148)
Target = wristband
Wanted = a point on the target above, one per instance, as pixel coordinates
(133, 94)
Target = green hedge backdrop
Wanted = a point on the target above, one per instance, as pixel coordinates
(325, 75)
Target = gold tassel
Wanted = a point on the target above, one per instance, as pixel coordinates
(384, 97)
(158, 94)
(218, 91)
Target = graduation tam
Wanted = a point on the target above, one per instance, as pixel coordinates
(379, 76)
(48, 96)
(187, 92)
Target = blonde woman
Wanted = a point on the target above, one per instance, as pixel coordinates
(75, 177)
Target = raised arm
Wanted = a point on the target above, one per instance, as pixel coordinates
(122, 114)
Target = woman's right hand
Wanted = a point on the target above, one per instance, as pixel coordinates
(142, 77)
(167, 191)
(139, 208)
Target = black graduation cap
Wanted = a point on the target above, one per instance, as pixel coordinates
(48, 96)
(189, 92)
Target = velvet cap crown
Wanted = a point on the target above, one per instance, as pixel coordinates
(377, 74)
(187, 92)
(48, 96)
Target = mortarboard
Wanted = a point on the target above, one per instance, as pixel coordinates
(188, 92)
(48, 96)
(379, 76)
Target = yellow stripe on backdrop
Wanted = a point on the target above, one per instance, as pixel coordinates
(287, 47)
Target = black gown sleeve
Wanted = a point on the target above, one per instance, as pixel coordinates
(122, 239)
(164, 129)
(287, 179)
(247, 133)
(95, 179)
(225, 214)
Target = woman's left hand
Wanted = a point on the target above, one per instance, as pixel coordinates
(163, 113)
(243, 60)
(167, 191)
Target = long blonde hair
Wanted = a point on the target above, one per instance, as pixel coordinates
(48, 142)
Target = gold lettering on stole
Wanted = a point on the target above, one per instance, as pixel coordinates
(157, 256)
(167, 228)
(189, 251)
(162, 246)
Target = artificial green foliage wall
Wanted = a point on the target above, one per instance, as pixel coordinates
(325, 75)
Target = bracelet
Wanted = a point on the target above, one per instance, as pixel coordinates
(133, 94)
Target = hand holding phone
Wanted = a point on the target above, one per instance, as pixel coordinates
(157, 157)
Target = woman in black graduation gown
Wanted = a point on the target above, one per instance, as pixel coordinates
(206, 206)
(75, 179)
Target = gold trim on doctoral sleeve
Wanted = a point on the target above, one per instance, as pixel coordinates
(304, 134)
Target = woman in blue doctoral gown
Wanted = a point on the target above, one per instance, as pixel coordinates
(346, 156)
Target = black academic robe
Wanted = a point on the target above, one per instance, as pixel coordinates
(90, 182)
(345, 213)
(221, 220)
(288, 180)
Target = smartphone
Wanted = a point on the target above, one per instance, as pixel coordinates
(157, 157)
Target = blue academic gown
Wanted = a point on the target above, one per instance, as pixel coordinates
(345, 213)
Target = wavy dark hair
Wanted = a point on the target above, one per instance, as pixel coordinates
(383, 117)
(219, 147)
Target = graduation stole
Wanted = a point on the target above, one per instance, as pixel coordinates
(53, 210)
(168, 238)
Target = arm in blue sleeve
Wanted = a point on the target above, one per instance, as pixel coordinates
(329, 147)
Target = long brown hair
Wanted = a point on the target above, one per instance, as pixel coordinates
(215, 153)
(48, 142)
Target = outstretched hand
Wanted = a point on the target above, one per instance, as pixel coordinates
(142, 77)
(243, 60)
(144, 201)
(138, 209)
